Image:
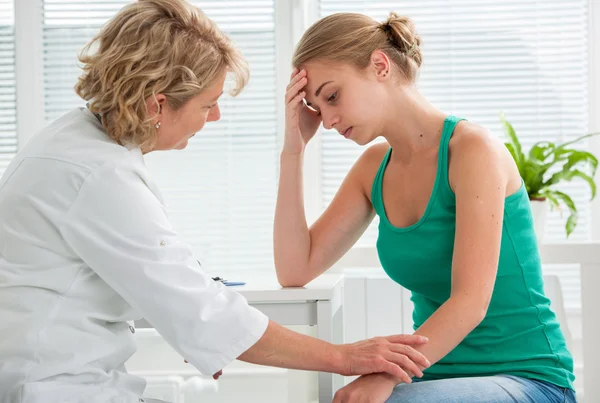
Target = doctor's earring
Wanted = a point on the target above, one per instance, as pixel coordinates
(157, 126)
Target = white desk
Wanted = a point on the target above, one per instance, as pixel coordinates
(318, 303)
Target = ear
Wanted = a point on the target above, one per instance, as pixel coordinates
(154, 106)
(381, 64)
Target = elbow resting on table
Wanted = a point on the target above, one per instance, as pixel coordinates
(293, 275)
(290, 280)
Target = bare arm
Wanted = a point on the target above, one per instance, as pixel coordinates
(481, 185)
(280, 347)
(302, 254)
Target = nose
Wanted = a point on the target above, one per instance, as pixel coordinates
(214, 114)
(329, 120)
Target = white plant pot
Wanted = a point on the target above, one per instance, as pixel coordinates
(539, 210)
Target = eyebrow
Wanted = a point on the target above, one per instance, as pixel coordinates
(319, 91)
(321, 87)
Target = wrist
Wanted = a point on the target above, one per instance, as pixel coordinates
(290, 151)
(339, 360)
(388, 379)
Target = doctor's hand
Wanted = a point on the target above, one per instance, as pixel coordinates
(301, 122)
(374, 388)
(392, 354)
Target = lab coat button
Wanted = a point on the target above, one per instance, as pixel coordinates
(162, 243)
(132, 329)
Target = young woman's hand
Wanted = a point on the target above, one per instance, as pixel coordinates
(301, 122)
(376, 388)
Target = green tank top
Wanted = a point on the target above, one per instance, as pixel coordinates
(520, 334)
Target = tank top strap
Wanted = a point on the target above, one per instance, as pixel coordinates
(376, 190)
(443, 161)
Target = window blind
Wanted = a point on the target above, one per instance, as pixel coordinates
(220, 191)
(527, 58)
(8, 126)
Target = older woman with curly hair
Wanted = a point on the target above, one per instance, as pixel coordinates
(86, 247)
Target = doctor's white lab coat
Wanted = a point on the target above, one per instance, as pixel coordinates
(85, 247)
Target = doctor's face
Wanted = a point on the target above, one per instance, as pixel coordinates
(178, 126)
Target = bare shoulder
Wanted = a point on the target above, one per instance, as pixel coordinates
(473, 147)
(471, 137)
(479, 144)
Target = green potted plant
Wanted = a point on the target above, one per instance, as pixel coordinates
(544, 167)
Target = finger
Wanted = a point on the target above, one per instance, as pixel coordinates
(295, 77)
(294, 72)
(412, 354)
(297, 99)
(396, 371)
(293, 90)
(407, 339)
(405, 363)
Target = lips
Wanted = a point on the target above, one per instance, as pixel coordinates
(346, 133)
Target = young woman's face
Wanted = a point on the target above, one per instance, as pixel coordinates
(178, 126)
(350, 101)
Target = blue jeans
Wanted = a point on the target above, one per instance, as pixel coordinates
(488, 389)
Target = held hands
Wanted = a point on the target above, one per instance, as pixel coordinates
(392, 354)
(374, 388)
(301, 122)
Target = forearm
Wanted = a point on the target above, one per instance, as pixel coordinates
(447, 327)
(291, 237)
(280, 347)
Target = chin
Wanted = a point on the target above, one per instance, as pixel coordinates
(362, 140)
(181, 145)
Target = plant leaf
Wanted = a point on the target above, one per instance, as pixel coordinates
(568, 175)
(585, 136)
(552, 200)
(588, 179)
(541, 150)
(533, 175)
(572, 220)
(514, 141)
(582, 157)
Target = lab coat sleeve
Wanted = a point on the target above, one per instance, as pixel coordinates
(119, 228)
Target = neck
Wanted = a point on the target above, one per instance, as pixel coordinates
(413, 125)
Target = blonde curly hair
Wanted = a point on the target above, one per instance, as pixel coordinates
(153, 47)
